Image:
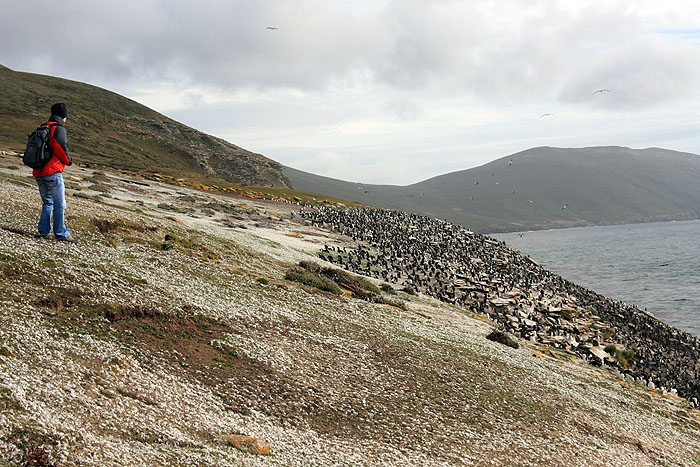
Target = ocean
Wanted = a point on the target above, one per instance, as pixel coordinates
(654, 266)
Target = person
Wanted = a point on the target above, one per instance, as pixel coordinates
(50, 178)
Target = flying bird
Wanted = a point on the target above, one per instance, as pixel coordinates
(546, 115)
(271, 28)
(601, 91)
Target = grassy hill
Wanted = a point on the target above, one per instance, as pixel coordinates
(169, 335)
(109, 130)
(543, 188)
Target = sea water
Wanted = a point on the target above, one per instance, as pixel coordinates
(654, 266)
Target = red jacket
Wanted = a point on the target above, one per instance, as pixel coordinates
(58, 143)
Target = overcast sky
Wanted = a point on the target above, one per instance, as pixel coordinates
(386, 91)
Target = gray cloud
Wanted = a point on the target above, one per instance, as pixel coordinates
(452, 46)
(641, 74)
(439, 82)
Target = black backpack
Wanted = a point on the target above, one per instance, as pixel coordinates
(38, 152)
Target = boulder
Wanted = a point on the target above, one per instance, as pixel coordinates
(501, 302)
(599, 353)
(502, 338)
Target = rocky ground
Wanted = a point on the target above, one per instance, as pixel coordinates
(455, 265)
(168, 335)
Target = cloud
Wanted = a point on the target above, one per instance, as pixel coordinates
(406, 109)
(220, 43)
(644, 73)
(384, 90)
(356, 168)
(496, 52)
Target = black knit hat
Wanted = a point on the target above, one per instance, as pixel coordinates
(59, 109)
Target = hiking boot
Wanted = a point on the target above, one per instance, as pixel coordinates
(66, 239)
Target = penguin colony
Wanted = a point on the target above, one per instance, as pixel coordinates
(457, 266)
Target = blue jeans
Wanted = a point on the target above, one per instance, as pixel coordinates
(53, 198)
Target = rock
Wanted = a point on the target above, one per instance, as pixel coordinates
(599, 352)
(651, 385)
(502, 338)
(250, 444)
(529, 323)
(501, 302)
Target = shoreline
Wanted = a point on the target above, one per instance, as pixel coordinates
(637, 272)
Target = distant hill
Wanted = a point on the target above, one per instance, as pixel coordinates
(106, 129)
(543, 188)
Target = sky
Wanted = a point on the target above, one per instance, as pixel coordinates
(385, 91)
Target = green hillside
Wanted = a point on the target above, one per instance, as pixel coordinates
(106, 129)
(543, 188)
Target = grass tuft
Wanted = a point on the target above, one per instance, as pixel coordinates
(624, 357)
(331, 279)
(303, 276)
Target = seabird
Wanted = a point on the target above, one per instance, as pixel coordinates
(565, 206)
(602, 91)
(546, 115)
(272, 28)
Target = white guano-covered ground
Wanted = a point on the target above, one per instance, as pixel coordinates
(170, 326)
